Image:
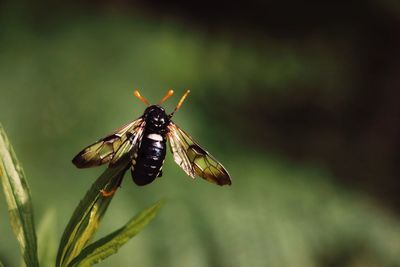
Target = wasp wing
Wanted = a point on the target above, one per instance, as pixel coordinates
(179, 146)
(130, 146)
(110, 147)
(193, 159)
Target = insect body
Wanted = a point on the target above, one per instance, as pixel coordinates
(143, 142)
(151, 153)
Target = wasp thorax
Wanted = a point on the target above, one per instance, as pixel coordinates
(156, 118)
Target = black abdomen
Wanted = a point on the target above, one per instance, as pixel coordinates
(150, 158)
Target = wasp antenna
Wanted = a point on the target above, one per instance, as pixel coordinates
(168, 95)
(180, 103)
(138, 95)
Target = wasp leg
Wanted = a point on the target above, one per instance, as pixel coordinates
(159, 174)
(106, 193)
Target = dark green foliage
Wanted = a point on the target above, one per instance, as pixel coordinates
(87, 216)
(110, 244)
(83, 223)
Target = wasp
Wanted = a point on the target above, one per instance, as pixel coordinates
(144, 142)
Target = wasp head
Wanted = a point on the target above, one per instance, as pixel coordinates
(156, 118)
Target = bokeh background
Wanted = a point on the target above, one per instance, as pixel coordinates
(298, 99)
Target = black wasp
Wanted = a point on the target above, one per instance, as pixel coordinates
(144, 142)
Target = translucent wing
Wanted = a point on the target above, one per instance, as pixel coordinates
(112, 147)
(130, 146)
(193, 159)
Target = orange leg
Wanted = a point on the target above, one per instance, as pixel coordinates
(105, 193)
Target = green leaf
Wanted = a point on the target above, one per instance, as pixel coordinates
(110, 244)
(47, 238)
(18, 199)
(88, 214)
(1, 264)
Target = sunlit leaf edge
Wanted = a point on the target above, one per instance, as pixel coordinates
(110, 244)
(88, 214)
(18, 200)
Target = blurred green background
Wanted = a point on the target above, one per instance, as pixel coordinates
(299, 100)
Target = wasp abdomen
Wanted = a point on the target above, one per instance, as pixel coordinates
(150, 158)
